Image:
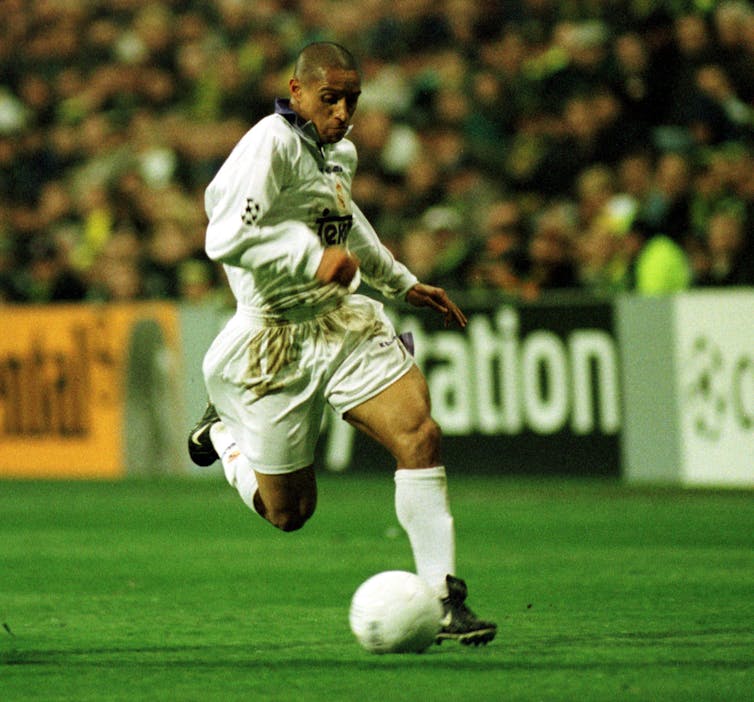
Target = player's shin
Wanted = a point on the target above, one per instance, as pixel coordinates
(421, 505)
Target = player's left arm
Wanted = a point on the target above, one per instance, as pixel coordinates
(378, 266)
(381, 270)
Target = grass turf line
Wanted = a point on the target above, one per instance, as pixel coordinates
(172, 590)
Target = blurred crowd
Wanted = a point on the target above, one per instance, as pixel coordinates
(520, 146)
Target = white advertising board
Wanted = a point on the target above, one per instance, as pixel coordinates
(714, 360)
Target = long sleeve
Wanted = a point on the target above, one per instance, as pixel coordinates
(246, 225)
(379, 268)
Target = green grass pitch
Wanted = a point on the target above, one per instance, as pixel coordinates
(172, 590)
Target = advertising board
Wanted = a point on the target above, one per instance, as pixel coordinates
(523, 389)
(70, 378)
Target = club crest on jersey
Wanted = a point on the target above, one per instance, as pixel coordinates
(333, 229)
(341, 196)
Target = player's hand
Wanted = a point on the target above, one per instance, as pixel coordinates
(337, 266)
(422, 295)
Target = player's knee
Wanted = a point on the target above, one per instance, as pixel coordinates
(289, 520)
(431, 439)
(422, 445)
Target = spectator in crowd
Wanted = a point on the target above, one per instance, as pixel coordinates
(632, 81)
(47, 275)
(667, 208)
(595, 187)
(656, 265)
(502, 262)
(439, 247)
(635, 173)
(733, 23)
(726, 260)
(624, 253)
(116, 275)
(600, 260)
(551, 258)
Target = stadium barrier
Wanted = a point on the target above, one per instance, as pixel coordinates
(89, 391)
(660, 390)
(688, 379)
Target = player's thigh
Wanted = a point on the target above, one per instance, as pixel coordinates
(277, 428)
(399, 418)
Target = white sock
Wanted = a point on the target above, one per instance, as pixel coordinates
(421, 504)
(238, 472)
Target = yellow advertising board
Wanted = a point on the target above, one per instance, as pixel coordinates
(63, 371)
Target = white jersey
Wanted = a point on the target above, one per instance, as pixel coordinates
(278, 200)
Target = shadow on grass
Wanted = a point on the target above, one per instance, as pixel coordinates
(299, 657)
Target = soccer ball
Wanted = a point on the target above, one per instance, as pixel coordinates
(395, 612)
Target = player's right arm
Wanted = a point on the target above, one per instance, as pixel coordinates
(337, 266)
(237, 201)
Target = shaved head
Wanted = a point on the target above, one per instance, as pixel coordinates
(315, 59)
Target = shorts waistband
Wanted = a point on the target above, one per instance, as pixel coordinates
(295, 315)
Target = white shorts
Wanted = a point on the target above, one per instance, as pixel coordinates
(270, 383)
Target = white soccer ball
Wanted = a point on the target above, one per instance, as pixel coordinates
(395, 612)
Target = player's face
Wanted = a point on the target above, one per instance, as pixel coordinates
(328, 102)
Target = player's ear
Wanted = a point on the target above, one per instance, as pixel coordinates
(294, 85)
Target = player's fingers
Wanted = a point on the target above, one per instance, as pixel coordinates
(430, 301)
(460, 317)
(455, 315)
(452, 313)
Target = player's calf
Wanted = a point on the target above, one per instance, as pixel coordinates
(288, 500)
(286, 520)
